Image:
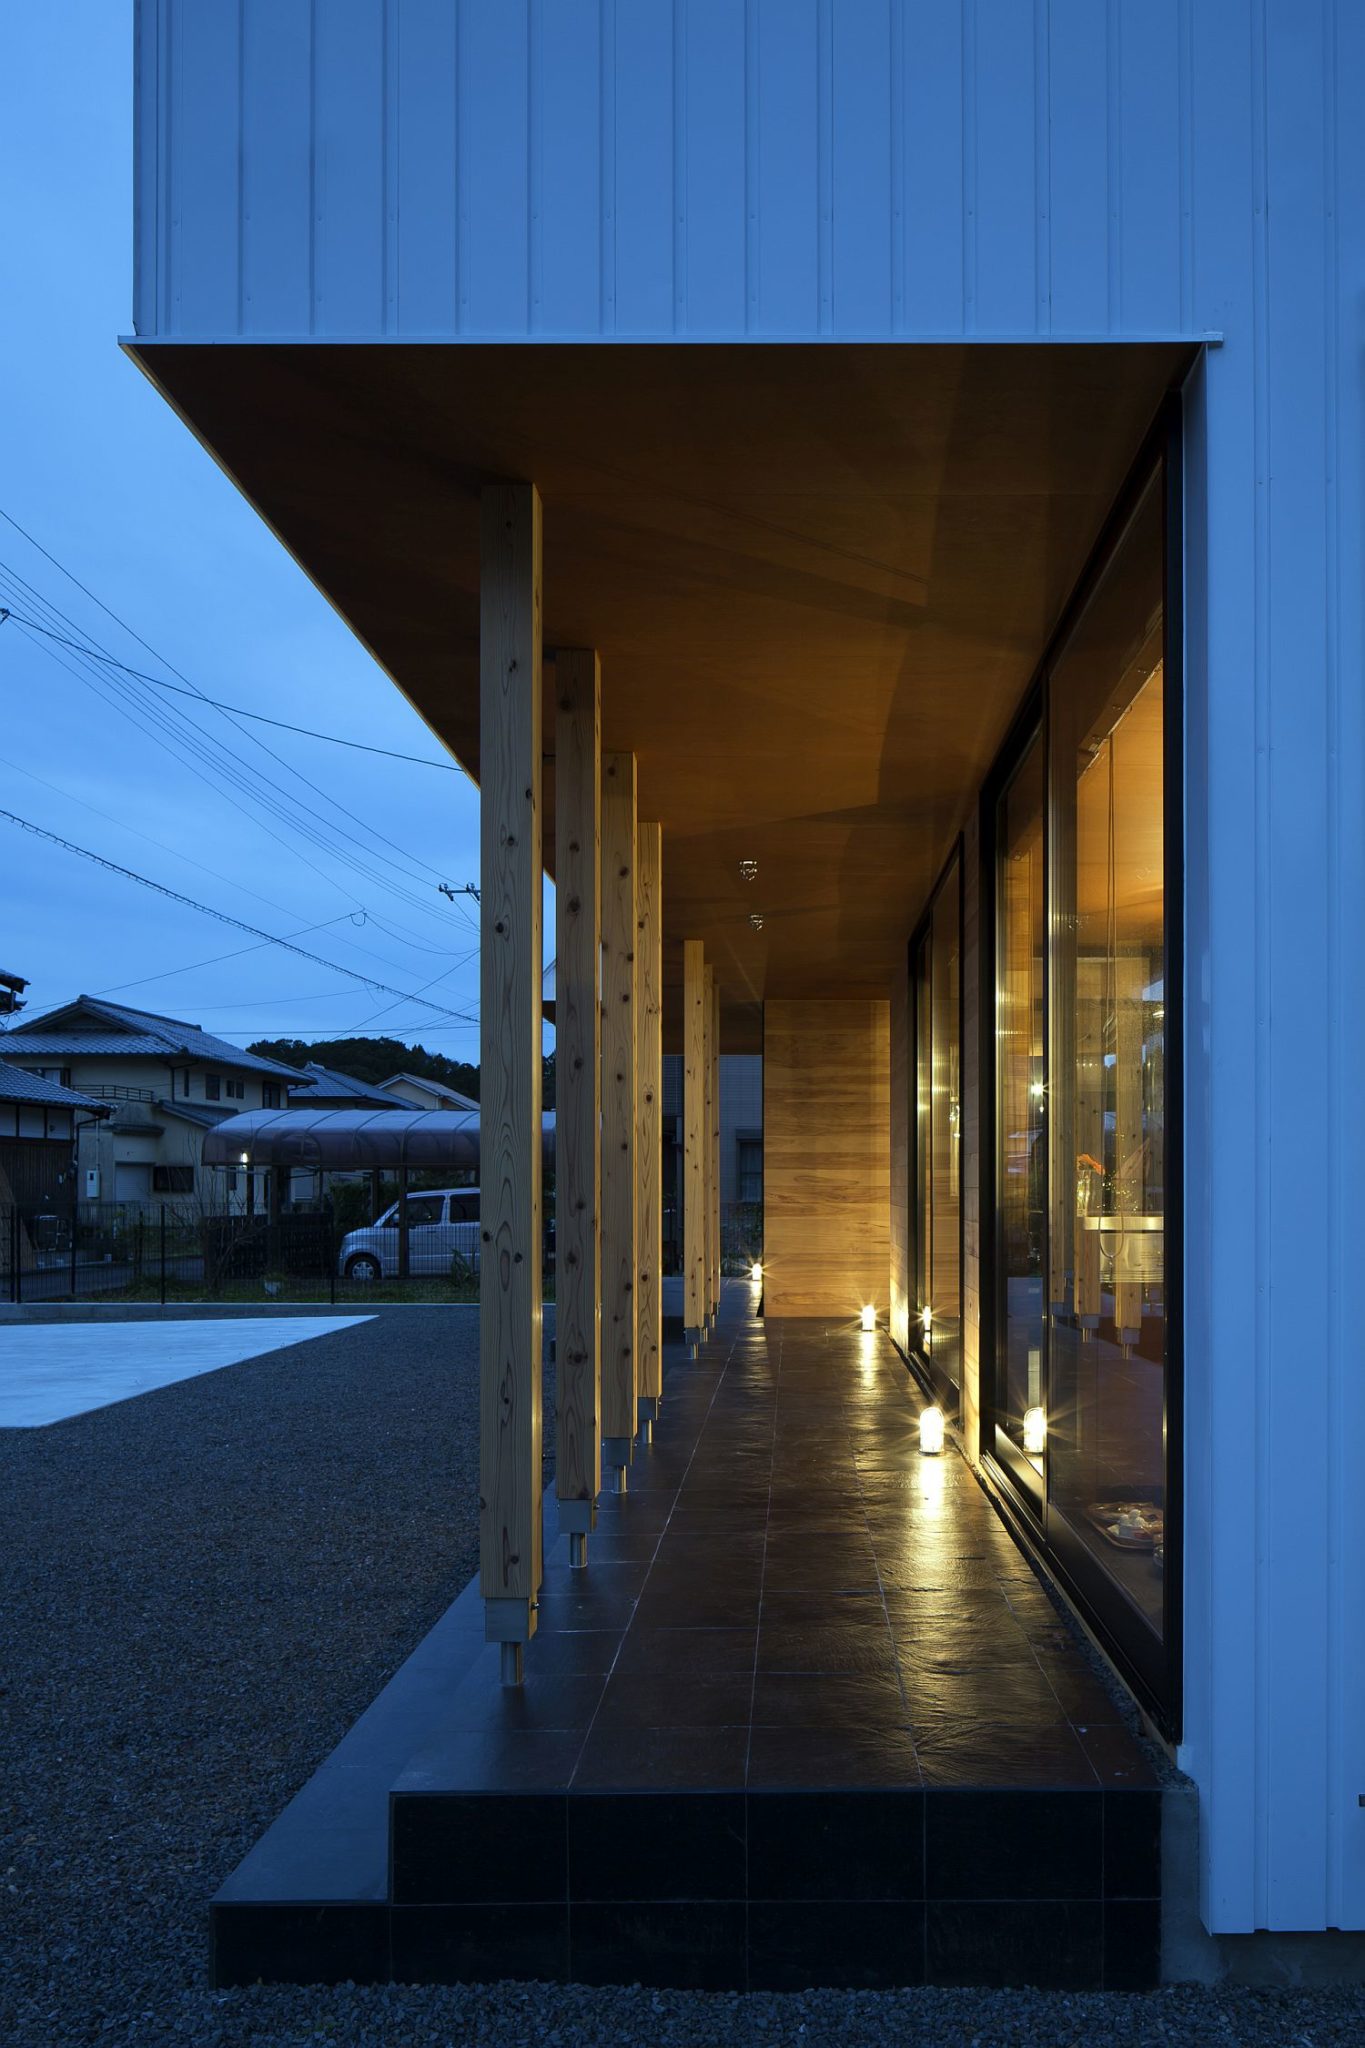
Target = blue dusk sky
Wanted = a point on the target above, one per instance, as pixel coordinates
(100, 473)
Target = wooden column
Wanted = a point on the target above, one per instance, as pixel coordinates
(578, 1092)
(510, 1532)
(694, 1141)
(649, 1156)
(620, 1252)
(715, 1149)
(708, 1084)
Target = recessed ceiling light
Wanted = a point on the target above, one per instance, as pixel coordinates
(756, 920)
(748, 870)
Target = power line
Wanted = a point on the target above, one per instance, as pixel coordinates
(130, 874)
(215, 704)
(252, 782)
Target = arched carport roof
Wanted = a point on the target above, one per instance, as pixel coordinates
(354, 1140)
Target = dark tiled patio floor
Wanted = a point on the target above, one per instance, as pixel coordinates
(807, 1716)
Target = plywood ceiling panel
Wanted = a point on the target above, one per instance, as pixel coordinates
(819, 577)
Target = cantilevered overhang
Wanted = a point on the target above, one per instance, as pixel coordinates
(819, 576)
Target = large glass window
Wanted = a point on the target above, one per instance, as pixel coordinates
(1107, 1181)
(1021, 1148)
(936, 965)
(1081, 1056)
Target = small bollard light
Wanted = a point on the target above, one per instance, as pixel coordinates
(931, 1432)
(756, 1271)
(869, 1316)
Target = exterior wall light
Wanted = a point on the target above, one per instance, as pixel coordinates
(1035, 1431)
(926, 1316)
(869, 1320)
(243, 1160)
(931, 1432)
(756, 1271)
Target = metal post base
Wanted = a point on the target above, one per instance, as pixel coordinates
(619, 1478)
(646, 1429)
(578, 1549)
(692, 1339)
(513, 1663)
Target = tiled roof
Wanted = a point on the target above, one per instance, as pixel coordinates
(450, 1096)
(17, 1086)
(329, 1081)
(205, 1114)
(91, 1025)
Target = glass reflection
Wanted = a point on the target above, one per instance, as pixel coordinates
(937, 979)
(1106, 1264)
(1021, 1165)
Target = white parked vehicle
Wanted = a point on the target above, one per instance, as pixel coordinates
(442, 1223)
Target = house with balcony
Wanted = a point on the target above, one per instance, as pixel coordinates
(163, 1082)
(872, 491)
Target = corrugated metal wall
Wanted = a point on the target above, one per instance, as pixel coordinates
(912, 168)
(668, 167)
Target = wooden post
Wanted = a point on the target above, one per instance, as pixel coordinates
(620, 1251)
(510, 1529)
(708, 1140)
(694, 1142)
(715, 1149)
(649, 1155)
(578, 1092)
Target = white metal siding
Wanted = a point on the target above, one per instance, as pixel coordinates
(902, 169)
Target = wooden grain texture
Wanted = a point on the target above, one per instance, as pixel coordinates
(620, 1252)
(694, 1134)
(649, 1069)
(578, 1085)
(715, 1143)
(899, 1194)
(708, 1138)
(826, 1157)
(510, 1533)
(972, 1335)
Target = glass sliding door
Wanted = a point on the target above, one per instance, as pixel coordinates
(936, 979)
(1085, 1070)
(1021, 1134)
(1106, 1417)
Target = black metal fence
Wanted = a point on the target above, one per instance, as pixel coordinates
(741, 1236)
(169, 1252)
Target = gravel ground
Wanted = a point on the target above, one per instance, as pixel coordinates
(202, 1588)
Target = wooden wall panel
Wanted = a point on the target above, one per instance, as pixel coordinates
(826, 1158)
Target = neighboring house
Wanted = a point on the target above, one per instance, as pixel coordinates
(12, 988)
(319, 1087)
(40, 1121)
(164, 1082)
(421, 1093)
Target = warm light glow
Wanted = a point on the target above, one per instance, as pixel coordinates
(926, 1316)
(869, 1316)
(1035, 1431)
(931, 1432)
(755, 1271)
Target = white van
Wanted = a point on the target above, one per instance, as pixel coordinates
(441, 1223)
